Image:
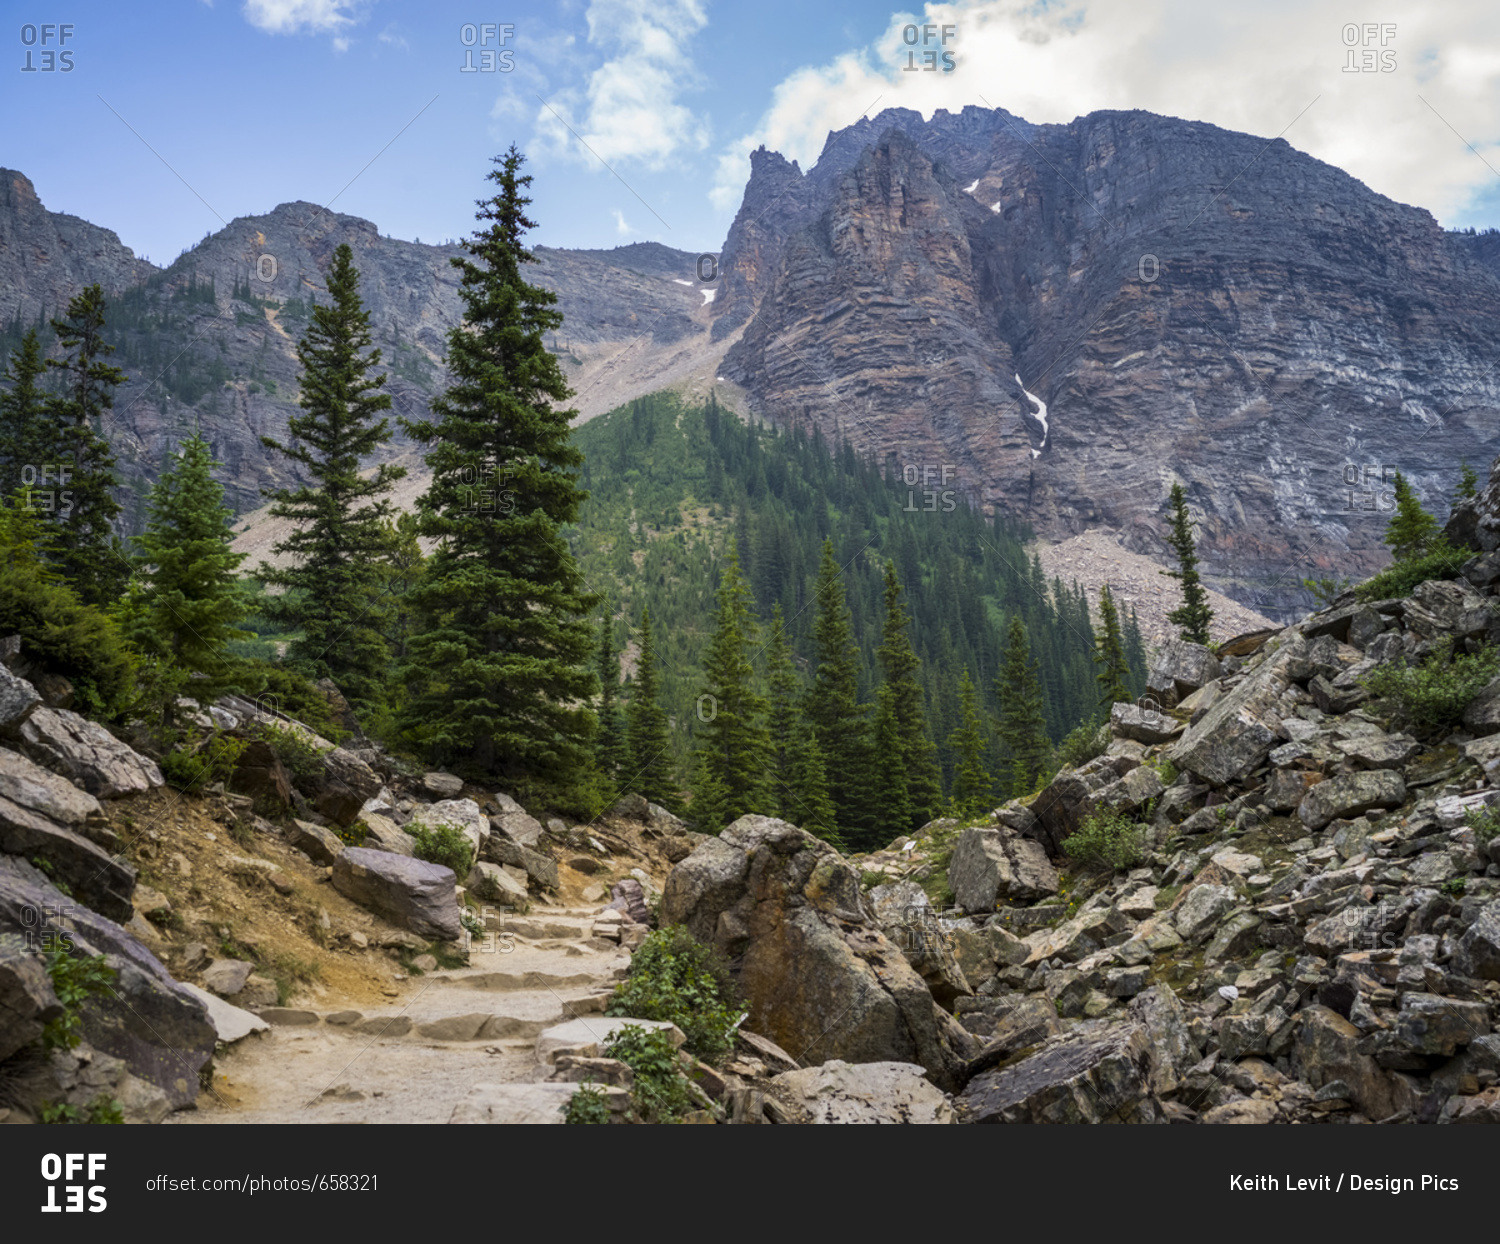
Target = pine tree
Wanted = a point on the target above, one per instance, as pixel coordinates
(334, 575)
(782, 715)
(810, 805)
(1109, 653)
(90, 554)
(901, 667)
(401, 571)
(503, 673)
(1194, 615)
(649, 771)
(185, 600)
(26, 431)
(735, 747)
(892, 790)
(1412, 531)
(1135, 654)
(610, 751)
(972, 785)
(1023, 728)
(832, 705)
(1467, 487)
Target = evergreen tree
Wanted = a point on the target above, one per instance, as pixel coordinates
(735, 747)
(901, 667)
(892, 791)
(810, 805)
(610, 751)
(1135, 655)
(782, 716)
(502, 674)
(1412, 531)
(1023, 728)
(335, 577)
(973, 787)
(832, 705)
(1109, 654)
(401, 571)
(1467, 487)
(185, 600)
(26, 430)
(1194, 615)
(650, 769)
(89, 552)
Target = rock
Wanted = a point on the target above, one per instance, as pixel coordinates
(1430, 1024)
(1243, 1110)
(383, 834)
(226, 977)
(1483, 713)
(1349, 795)
(462, 814)
(527, 1103)
(1238, 732)
(391, 1026)
(989, 865)
(1076, 1077)
(1179, 669)
(318, 844)
(982, 952)
(442, 785)
(27, 999)
(1141, 724)
(518, 827)
(260, 773)
(818, 975)
(1238, 935)
(340, 786)
(1325, 1047)
(1478, 950)
(86, 754)
(36, 789)
(542, 869)
(576, 1069)
(587, 1037)
(1160, 1013)
(838, 1092)
(1199, 911)
(492, 882)
(409, 892)
(18, 700)
(148, 1020)
(629, 898)
(906, 917)
(230, 1022)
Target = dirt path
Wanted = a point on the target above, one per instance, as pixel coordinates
(414, 1060)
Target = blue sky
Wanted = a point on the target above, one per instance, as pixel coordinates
(178, 117)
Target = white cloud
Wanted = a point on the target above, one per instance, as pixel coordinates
(340, 44)
(290, 17)
(621, 226)
(1251, 69)
(392, 37)
(629, 108)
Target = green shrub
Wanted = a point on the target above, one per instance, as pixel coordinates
(1434, 694)
(1107, 839)
(1442, 561)
(1485, 822)
(443, 844)
(675, 977)
(353, 835)
(74, 981)
(101, 1110)
(587, 1105)
(214, 761)
(293, 694)
(660, 1093)
(293, 749)
(1084, 744)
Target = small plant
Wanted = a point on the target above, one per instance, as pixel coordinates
(675, 977)
(1326, 591)
(101, 1110)
(213, 761)
(353, 835)
(443, 844)
(1084, 744)
(1442, 561)
(1485, 822)
(300, 757)
(587, 1105)
(74, 981)
(1107, 840)
(1434, 694)
(471, 922)
(1454, 886)
(660, 1093)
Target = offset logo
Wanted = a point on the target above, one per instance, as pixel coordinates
(67, 1169)
(45, 52)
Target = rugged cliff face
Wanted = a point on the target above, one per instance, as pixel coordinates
(1181, 303)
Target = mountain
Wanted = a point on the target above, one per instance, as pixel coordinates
(1069, 318)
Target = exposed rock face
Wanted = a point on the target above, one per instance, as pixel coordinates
(409, 892)
(922, 266)
(838, 1092)
(991, 866)
(819, 977)
(86, 753)
(1076, 1077)
(906, 917)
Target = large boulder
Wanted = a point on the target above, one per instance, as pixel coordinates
(27, 999)
(1478, 951)
(838, 1092)
(542, 869)
(260, 773)
(408, 892)
(1241, 727)
(1325, 1048)
(18, 700)
(86, 753)
(519, 826)
(1118, 783)
(1180, 669)
(818, 976)
(341, 785)
(160, 1031)
(40, 816)
(1349, 795)
(463, 814)
(906, 917)
(990, 865)
(1144, 725)
(1087, 1075)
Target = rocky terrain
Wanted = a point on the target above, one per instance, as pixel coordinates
(1191, 305)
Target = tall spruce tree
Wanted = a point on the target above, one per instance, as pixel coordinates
(892, 800)
(185, 599)
(1135, 654)
(1023, 726)
(649, 771)
(334, 576)
(502, 675)
(798, 774)
(610, 751)
(1412, 531)
(973, 787)
(1109, 653)
(400, 572)
(902, 669)
(832, 705)
(1194, 615)
(1467, 487)
(89, 552)
(735, 745)
(27, 434)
